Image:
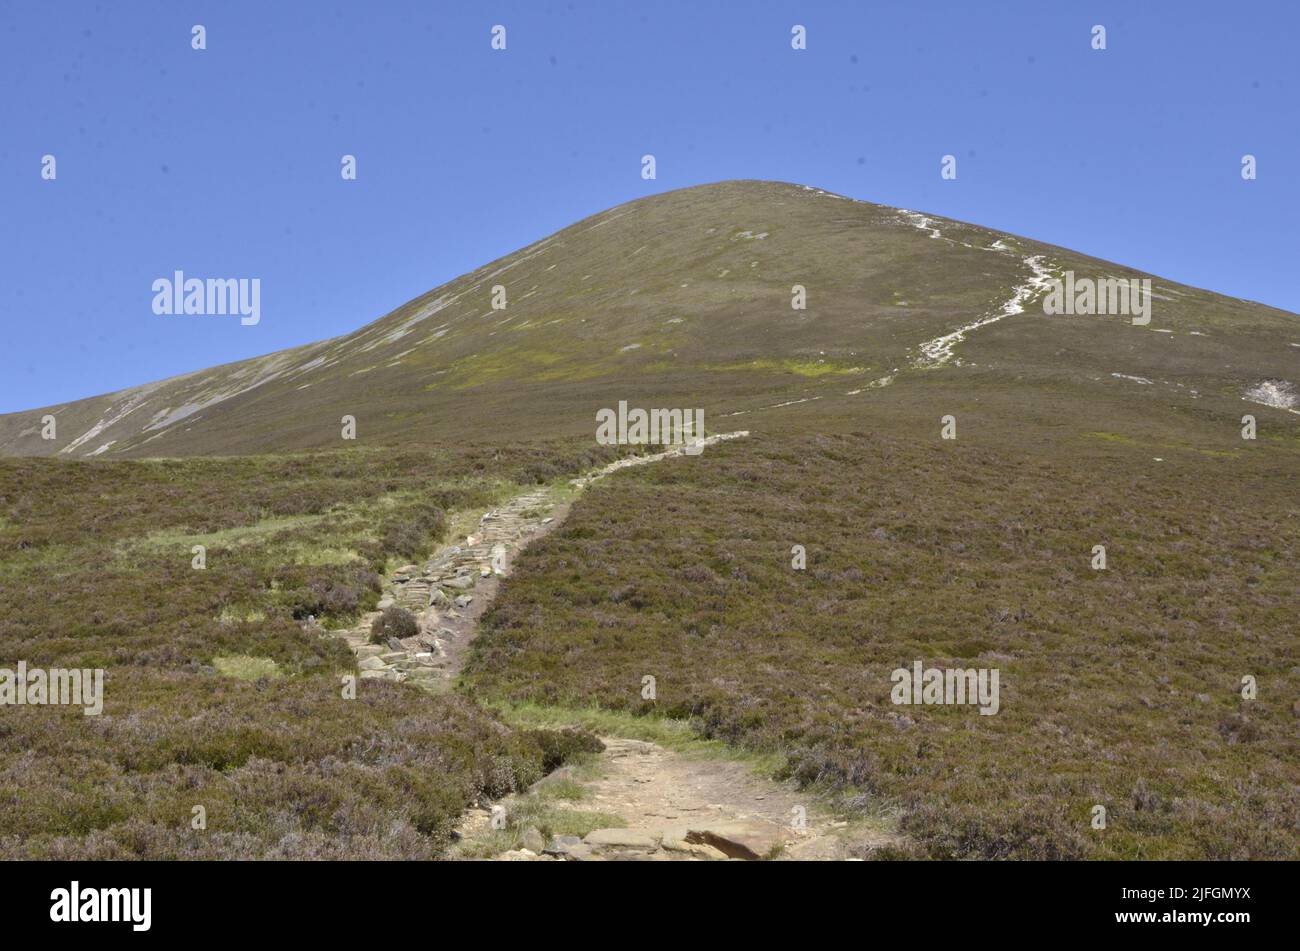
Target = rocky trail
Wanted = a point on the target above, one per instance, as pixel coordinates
(452, 589)
(660, 804)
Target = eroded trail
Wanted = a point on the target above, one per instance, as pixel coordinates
(451, 590)
(939, 351)
(634, 800)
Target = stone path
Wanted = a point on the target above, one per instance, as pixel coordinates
(450, 591)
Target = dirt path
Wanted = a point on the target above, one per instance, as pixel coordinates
(638, 801)
(635, 800)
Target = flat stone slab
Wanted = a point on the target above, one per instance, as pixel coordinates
(739, 840)
(678, 843)
(621, 838)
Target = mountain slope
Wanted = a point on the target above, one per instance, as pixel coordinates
(1122, 680)
(684, 299)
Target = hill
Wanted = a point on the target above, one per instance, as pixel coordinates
(684, 299)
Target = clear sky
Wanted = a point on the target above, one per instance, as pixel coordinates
(225, 162)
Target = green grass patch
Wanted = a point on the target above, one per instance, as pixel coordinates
(243, 667)
(680, 736)
(804, 368)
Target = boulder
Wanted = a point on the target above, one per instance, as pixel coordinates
(371, 663)
(532, 841)
(562, 844)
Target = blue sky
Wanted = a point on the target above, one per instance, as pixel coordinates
(225, 162)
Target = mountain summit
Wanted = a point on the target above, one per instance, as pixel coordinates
(694, 297)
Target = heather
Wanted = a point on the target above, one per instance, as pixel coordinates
(224, 691)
